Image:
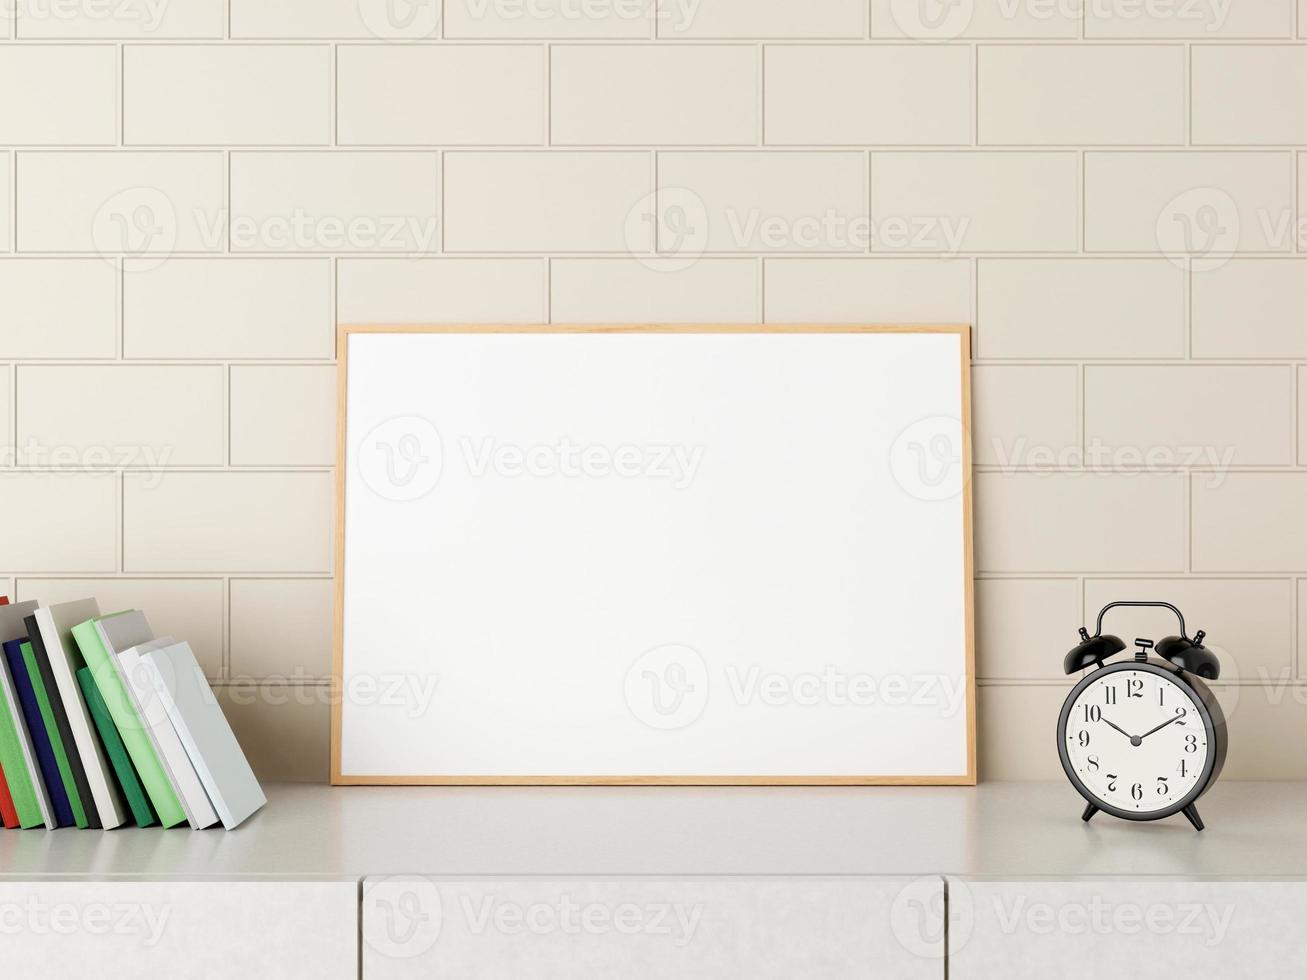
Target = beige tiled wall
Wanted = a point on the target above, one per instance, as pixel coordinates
(193, 193)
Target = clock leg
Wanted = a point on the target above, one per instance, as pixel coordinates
(1090, 810)
(1191, 812)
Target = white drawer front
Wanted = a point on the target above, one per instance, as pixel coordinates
(180, 930)
(653, 928)
(1092, 929)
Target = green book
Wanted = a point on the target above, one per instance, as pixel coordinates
(17, 775)
(107, 672)
(52, 731)
(117, 752)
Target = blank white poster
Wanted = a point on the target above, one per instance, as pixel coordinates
(655, 555)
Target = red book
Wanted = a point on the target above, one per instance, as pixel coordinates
(8, 815)
(4, 600)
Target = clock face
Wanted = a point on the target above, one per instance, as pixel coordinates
(1136, 740)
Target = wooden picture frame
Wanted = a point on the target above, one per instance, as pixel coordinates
(338, 777)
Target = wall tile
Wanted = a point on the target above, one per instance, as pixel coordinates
(645, 291)
(334, 19)
(1237, 416)
(1249, 94)
(281, 628)
(819, 94)
(234, 95)
(1249, 621)
(59, 521)
(1249, 522)
(122, 416)
(335, 202)
(120, 203)
(231, 522)
(548, 19)
(440, 291)
(189, 609)
(653, 94)
(1079, 522)
(761, 19)
(1302, 416)
(881, 290)
(58, 94)
(144, 21)
(1084, 95)
(1024, 415)
(1250, 308)
(1019, 623)
(554, 202)
(894, 19)
(1051, 308)
(58, 308)
(283, 416)
(1204, 21)
(1162, 202)
(228, 308)
(284, 729)
(981, 202)
(7, 455)
(793, 201)
(384, 94)
(6, 202)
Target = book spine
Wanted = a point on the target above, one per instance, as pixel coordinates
(129, 725)
(117, 752)
(48, 766)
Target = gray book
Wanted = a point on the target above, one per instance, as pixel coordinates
(200, 724)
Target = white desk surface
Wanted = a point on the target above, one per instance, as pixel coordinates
(1254, 830)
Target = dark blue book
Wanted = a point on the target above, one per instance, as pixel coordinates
(45, 757)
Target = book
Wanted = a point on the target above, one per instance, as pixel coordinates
(46, 763)
(17, 757)
(4, 600)
(176, 763)
(47, 768)
(46, 699)
(53, 635)
(116, 751)
(100, 641)
(8, 815)
(204, 732)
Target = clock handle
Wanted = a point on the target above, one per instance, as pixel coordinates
(1098, 630)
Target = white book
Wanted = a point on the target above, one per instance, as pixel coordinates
(12, 627)
(123, 631)
(56, 623)
(203, 729)
(167, 745)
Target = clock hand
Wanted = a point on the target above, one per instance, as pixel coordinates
(1119, 729)
(1163, 724)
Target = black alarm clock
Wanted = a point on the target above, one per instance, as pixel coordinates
(1143, 738)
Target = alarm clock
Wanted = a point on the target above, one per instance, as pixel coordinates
(1144, 738)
